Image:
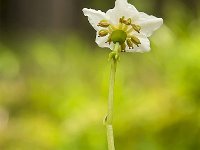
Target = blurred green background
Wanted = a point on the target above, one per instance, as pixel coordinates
(54, 79)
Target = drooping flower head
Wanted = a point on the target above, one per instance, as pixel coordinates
(123, 24)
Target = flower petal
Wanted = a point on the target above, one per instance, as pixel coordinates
(122, 8)
(143, 47)
(148, 23)
(101, 41)
(94, 17)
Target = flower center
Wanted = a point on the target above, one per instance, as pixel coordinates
(123, 32)
(118, 36)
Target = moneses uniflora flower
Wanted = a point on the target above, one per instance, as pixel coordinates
(125, 25)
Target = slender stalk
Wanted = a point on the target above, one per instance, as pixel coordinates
(109, 118)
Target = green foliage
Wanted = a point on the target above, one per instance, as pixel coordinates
(53, 95)
(56, 94)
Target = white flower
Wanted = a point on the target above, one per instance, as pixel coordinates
(125, 25)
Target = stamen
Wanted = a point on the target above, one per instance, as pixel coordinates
(135, 40)
(125, 28)
(110, 29)
(123, 50)
(137, 28)
(127, 22)
(121, 20)
(130, 30)
(124, 21)
(103, 23)
(129, 43)
(120, 26)
(109, 40)
(123, 47)
(113, 27)
(103, 33)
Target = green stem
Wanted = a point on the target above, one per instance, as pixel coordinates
(109, 118)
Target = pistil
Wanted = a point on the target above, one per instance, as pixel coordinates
(118, 36)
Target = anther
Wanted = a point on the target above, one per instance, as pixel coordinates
(129, 43)
(137, 28)
(103, 33)
(121, 20)
(103, 23)
(127, 22)
(123, 47)
(135, 40)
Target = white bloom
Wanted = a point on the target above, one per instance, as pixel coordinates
(123, 24)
